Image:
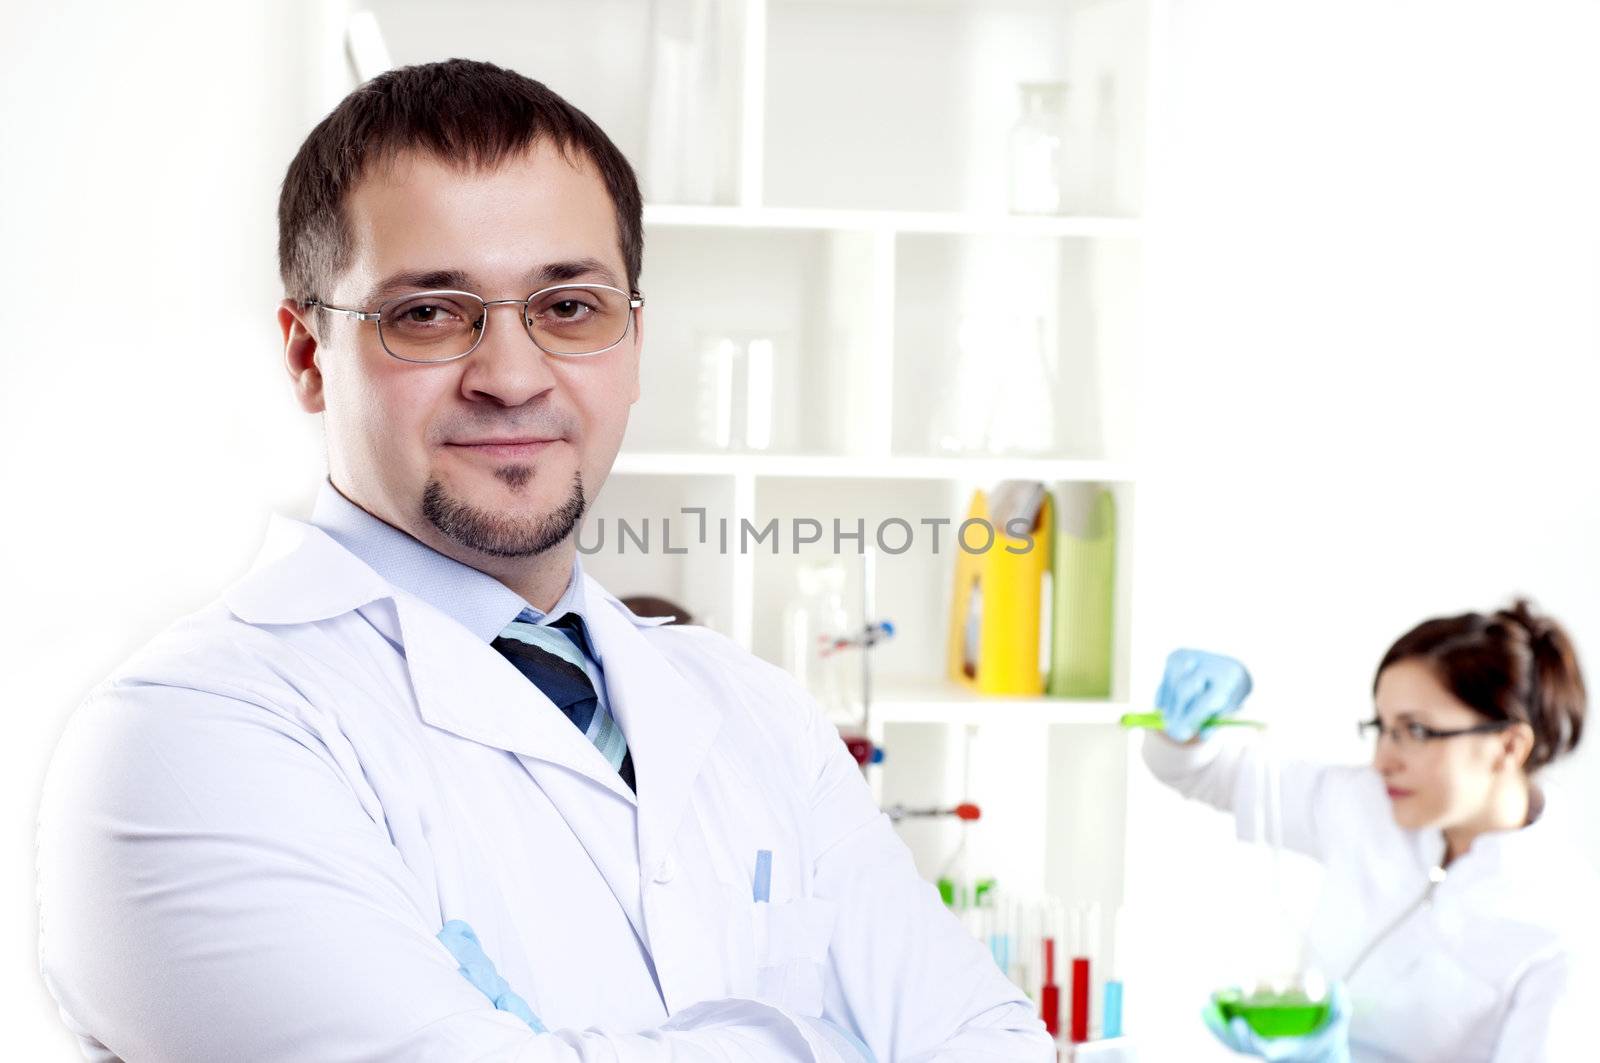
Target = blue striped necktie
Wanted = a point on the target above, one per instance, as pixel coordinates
(552, 657)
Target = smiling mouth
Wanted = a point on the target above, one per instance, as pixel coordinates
(506, 450)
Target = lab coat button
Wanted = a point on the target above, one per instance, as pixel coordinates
(665, 872)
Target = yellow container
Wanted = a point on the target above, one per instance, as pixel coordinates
(999, 595)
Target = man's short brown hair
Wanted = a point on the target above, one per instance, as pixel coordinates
(461, 111)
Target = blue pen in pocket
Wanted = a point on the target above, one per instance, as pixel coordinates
(763, 883)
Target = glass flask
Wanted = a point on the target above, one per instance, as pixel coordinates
(811, 622)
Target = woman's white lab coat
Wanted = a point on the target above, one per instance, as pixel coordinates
(251, 835)
(1493, 963)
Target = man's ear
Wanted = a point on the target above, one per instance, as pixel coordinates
(300, 354)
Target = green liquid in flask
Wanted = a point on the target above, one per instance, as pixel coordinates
(1273, 1014)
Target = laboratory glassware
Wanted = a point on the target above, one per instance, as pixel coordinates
(1152, 721)
(1036, 148)
(1289, 998)
(811, 623)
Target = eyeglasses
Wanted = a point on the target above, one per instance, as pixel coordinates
(1413, 735)
(569, 320)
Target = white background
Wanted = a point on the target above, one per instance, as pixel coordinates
(1369, 394)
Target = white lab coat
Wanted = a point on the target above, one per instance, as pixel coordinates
(251, 835)
(1496, 964)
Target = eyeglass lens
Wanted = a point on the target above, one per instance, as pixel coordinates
(1404, 734)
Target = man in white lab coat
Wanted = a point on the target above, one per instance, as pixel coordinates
(254, 832)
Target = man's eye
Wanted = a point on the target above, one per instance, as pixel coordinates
(568, 309)
(429, 312)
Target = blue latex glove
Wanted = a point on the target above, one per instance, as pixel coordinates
(842, 1041)
(478, 969)
(1329, 1044)
(1197, 686)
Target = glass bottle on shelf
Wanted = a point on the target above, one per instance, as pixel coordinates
(1036, 145)
(1103, 192)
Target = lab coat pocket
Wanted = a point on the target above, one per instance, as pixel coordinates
(791, 952)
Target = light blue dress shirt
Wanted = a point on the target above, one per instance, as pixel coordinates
(481, 603)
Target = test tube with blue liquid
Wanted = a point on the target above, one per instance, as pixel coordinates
(1111, 1010)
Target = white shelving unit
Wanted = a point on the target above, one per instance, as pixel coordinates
(828, 179)
(947, 705)
(835, 466)
(887, 221)
(863, 272)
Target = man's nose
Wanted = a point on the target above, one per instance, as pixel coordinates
(507, 366)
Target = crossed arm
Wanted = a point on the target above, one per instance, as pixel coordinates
(211, 888)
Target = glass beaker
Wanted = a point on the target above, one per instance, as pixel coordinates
(735, 407)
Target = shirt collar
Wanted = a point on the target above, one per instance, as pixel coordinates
(475, 599)
(1530, 849)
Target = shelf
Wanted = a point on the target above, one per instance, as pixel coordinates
(947, 704)
(892, 221)
(1049, 470)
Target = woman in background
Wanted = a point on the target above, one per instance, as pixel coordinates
(1456, 915)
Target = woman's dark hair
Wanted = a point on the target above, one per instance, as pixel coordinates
(461, 111)
(1512, 664)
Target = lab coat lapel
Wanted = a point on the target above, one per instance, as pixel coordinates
(465, 686)
(301, 576)
(669, 724)
(462, 686)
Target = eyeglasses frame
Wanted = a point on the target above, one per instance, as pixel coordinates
(1422, 733)
(635, 301)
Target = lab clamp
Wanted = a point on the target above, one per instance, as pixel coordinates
(871, 634)
(861, 746)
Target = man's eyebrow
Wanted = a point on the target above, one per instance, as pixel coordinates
(417, 280)
(574, 269)
(550, 273)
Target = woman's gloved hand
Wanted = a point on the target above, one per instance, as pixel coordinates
(1197, 686)
(1330, 1043)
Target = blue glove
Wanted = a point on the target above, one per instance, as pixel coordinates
(1330, 1043)
(478, 969)
(1197, 686)
(842, 1041)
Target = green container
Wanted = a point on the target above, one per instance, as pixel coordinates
(1083, 582)
(1273, 1014)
